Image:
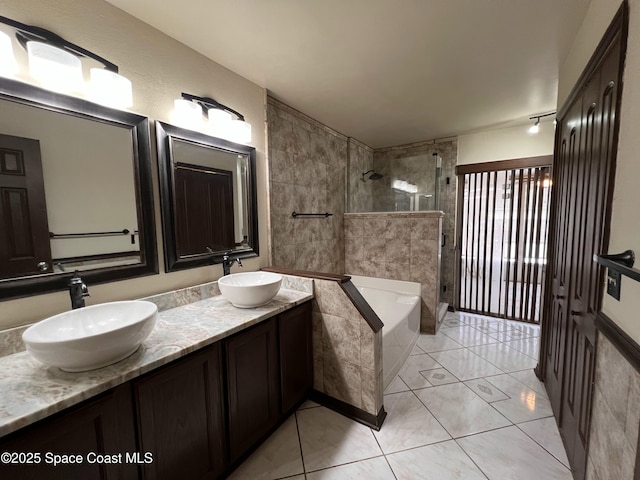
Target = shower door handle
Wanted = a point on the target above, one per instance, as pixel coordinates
(444, 240)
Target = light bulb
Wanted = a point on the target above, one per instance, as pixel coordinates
(109, 88)
(8, 65)
(219, 123)
(54, 67)
(535, 128)
(240, 131)
(187, 114)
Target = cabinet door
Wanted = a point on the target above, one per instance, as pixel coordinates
(181, 418)
(253, 385)
(101, 426)
(296, 355)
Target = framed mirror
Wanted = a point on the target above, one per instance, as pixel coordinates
(208, 197)
(75, 192)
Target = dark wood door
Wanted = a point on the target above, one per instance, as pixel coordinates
(204, 209)
(181, 419)
(24, 229)
(102, 426)
(586, 146)
(253, 383)
(296, 355)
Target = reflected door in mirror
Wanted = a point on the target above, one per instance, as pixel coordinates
(204, 209)
(24, 231)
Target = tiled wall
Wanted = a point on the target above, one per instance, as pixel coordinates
(360, 190)
(447, 148)
(347, 355)
(615, 416)
(398, 246)
(307, 164)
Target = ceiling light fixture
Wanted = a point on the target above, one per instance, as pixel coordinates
(220, 119)
(535, 128)
(56, 64)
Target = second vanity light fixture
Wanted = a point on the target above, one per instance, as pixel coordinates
(206, 114)
(535, 128)
(56, 64)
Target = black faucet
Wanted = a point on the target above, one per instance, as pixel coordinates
(227, 262)
(77, 291)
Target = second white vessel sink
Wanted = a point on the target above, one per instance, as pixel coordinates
(91, 337)
(250, 289)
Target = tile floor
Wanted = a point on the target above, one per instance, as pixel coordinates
(466, 405)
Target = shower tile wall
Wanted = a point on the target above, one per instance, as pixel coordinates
(447, 148)
(398, 246)
(360, 191)
(307, 164)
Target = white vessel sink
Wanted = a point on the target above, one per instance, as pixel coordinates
(91, 337)
(250, 289)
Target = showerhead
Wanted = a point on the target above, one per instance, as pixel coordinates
(374, 175)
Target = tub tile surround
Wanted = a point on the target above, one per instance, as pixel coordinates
(347, 354)
(398, 246)
(431, 431)
(188, 319)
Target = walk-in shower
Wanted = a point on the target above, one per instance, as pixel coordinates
(393, 183)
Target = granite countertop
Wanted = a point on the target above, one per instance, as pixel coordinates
(31, 391)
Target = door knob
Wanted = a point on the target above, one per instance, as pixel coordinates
(43, 266)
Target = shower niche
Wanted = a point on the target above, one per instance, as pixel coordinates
(393, 183)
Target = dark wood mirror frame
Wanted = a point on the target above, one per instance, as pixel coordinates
(165, 133)
(30, 95)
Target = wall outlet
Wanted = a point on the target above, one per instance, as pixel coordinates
(614, 279)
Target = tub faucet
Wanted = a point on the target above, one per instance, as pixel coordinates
(227, 262)
(77, 291)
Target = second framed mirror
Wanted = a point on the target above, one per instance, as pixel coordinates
(208, 197)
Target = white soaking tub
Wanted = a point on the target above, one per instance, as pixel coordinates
(397, 303)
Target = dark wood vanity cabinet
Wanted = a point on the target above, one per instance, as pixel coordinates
(296, 356)
(180, 413)
(102, 426)
(269, 372)
(194, 418)
(253, 386)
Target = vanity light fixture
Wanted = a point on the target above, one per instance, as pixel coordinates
(57, 65)
(535, 128)
(8, 65)
(220, 119)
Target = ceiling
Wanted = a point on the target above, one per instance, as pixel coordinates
(386, 72)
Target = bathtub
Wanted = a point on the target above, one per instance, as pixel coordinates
(397, 303)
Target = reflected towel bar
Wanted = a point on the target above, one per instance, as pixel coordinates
(90, 234)
(296, 214)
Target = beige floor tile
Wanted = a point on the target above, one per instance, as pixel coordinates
(279, 456)
(329, 439)
(408, 424)
(509, 453)
(460, 411)
(372, 469)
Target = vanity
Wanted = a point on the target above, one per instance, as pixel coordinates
(209, 384)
